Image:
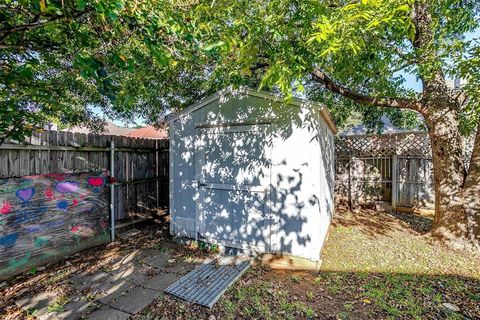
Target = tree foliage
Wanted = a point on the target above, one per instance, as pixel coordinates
(367, 46)
(61, 58)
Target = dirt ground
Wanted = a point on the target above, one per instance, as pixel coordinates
(376, 265)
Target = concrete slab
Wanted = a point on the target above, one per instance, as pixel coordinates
(161, 281)
(113, 290)
(133, 273)
(107, 313)
(38, 303)
(159, 260)
(135, 300)
(76, 310)
(126, 260)
(180, 267)
(86, 280)
(144, 254)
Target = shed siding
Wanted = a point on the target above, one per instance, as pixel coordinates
(301, 196)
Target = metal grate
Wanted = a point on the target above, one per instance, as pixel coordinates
(206, 284)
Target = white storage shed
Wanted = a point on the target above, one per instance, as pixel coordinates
(249, 170)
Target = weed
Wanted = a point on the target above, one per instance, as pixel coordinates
(58, 305)
(295, 278)
(309, 313)
(89, 297)
(33, 271)
(30, 313)
(348, 306)
(310, 295)
(213, 248)
(229, 308)
(159, 247)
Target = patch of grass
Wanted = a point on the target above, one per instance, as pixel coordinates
(230, 309)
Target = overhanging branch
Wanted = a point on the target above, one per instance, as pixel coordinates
(7, 31)
(388, 102)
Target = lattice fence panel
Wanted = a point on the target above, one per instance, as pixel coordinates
(409, 144)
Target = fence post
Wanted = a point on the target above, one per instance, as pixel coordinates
(157, 163)
(112, 190)
(353, 184)
(350, 201)
(394, 181)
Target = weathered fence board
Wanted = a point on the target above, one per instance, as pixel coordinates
(43, 217)
(141, 165)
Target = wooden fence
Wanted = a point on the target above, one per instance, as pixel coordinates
(392, 168)
(140, 165)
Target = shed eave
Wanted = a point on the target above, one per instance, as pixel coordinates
(260, 94)
(172, 117)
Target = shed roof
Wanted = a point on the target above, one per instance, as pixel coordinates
(255, 93)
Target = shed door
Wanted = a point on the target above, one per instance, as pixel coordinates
(233, 172)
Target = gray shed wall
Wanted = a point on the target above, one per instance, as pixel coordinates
(299, 204)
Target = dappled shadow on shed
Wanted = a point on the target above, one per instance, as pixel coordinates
(231, 185)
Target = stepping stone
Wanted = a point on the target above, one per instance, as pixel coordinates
(161, 281)
(112, 291)
(75, 310)
(134, 273)
(86, 280)
(39, 302)
(158, 261)
(123, 261)
(134, 300)
(181, 267)
(107, 313)
(143, 254)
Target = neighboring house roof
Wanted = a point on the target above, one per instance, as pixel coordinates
(149, 132)
(110, 128)
(261, 94)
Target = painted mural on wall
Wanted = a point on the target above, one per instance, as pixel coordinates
(46, 216)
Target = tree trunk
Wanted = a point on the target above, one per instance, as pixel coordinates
(472, 193)
(457, 206)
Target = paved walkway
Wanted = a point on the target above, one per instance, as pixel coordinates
(121, 290)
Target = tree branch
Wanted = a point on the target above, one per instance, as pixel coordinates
(388, 102)
(39, 23)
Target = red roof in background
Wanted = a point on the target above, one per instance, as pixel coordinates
(149, 132)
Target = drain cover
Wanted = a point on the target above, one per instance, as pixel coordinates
(206, 284)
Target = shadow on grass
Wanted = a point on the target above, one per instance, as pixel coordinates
(268, 294)
(376, 223)
(419, 223)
